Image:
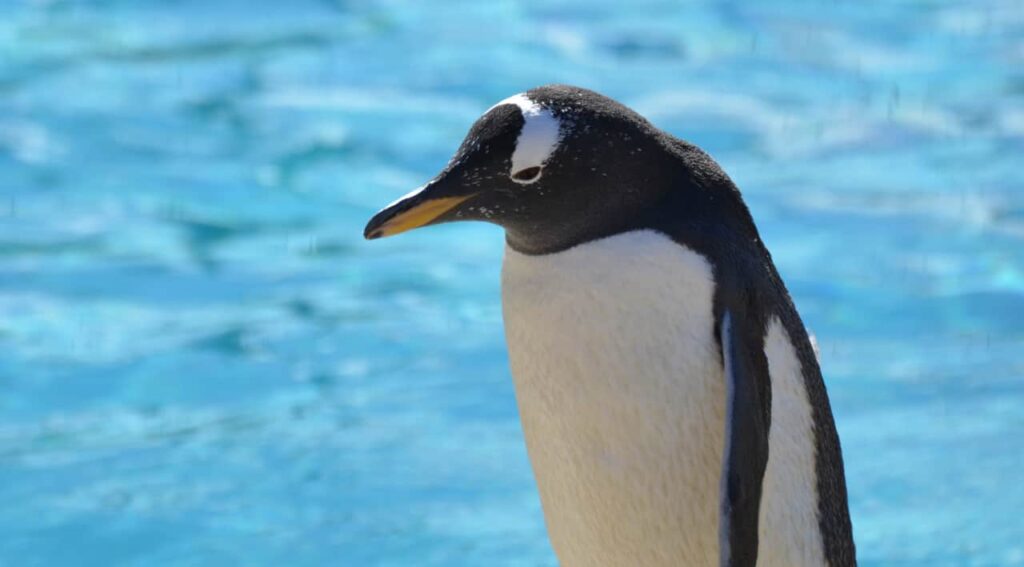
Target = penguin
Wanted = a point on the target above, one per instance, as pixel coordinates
(672, 404)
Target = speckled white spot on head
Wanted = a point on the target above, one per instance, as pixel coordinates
(538, 139)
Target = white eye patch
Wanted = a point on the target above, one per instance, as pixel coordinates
(537, 140)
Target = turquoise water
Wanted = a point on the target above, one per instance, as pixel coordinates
(203, 363)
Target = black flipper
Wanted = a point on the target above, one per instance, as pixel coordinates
(748, 419)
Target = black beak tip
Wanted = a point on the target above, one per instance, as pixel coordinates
(372, 230)
(375, 228)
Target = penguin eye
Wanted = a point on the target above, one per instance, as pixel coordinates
(527, 175)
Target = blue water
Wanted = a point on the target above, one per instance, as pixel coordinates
(203, 363)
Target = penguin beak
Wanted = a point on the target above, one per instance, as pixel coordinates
(425, 205)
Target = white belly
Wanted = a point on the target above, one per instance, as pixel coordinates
(621, 392)
(622, 398)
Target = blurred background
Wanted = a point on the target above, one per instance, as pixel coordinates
(203, 363)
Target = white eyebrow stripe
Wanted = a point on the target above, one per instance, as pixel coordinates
(540, 134)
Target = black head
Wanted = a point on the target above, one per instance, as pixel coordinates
(554, 167)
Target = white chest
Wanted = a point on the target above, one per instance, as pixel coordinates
(622, 397)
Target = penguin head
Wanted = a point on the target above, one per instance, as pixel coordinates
(554, 166)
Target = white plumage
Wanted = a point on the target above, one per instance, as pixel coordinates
(789, 534)
(621, 391)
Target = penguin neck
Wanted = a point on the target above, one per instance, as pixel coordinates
(682, 205)
(540, 242)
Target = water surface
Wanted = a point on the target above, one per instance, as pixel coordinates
(203, 363)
